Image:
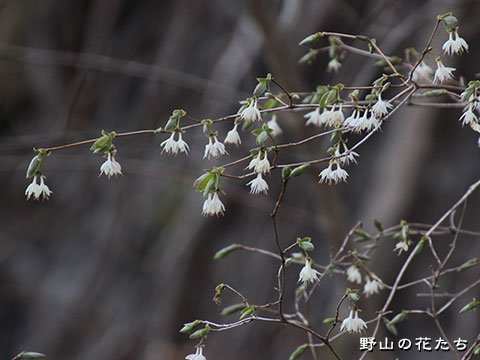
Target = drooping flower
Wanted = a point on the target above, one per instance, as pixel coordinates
(170, 145)
(307, 274)
(38, 190)
(372, 287)
(213, 205)
(354, 275)
(401, 246)
(422, 71)
(182, 146)
(273, 124)
(334, 65)
(313, 117)
(352, 120)
(469, 117)
(353, 323)
(233, 137)
(258, 185)
(214, 148)
(442, 73)
(197, 356)
(380, 109)
(251, 113)
(334, 118)
(110, 167)
(259, 164)
(329, 175)
(454, 46)
(347, 157)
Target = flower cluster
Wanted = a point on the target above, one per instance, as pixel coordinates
(329, 117)
(455, 44)
(329, 175)
(38, 191)
(110, 167)
(260, 165)
(214, 148)
(173, 146)
(213, 205)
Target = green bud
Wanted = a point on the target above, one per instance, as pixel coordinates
(362, 37)
(468, 264)
(329, 320)
(232, 309)
(378, 225)
(306, 245)
(298, 352)
(470, 306)
(308, 57)
(353, 295)
(299, 170)
(420, 245)
(35, 165)
(220, 254)
(399, 318)
(188, 327)
(200, 333)
(390, 327)
(311, 39)
(30, 355)
(249, 310)
(286, 171)
(174, 119)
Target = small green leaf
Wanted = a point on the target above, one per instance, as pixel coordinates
(399, 318)
(308, 57)
(31, 355)
(469, 263)
(35, 165)
(188, 327)
(232, 309)
(249, 310)
(103, 143)
(298, 352)
(220, 254)
(286, 171)
(329, 320)
(378, 225)
(477, 350)
(390, 327)
(306, 245)
(353, 295)
(420, 246)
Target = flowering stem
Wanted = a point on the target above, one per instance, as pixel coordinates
(426, 50)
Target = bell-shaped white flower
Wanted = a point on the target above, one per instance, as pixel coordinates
(423, 71)
(442, 73)
(353, 323)
(469, 116)
(213, 205)
(273, 124)
(251, 113)
(260, 164)
(307, 274)
(313, 117)
(380, 109)
(233, 137)
(197, 356)
(38, 190)
(170, 145)
(182, 146)
(401, 246)
(258, 185)
(372, 287)
(455, 44)
(214, 148)
(110, 167)
(334, 65)
(329, 175)
(354, 275)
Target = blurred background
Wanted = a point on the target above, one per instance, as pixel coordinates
(111, 269)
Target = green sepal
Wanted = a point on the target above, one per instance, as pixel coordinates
(103, 143)
(35, 166)
(298, 352)
(299, 170)
(353, 295)
(232, 309)
(200, 333)
(448, 19)
(262, 86)
(470, 306)
(220, 254)
(188, 327)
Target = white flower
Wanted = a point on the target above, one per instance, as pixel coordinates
(273, 124)
(197, 356)
(329, 175)
(367, 122)
(182, 146)
(170, 145)
(110, 167)
(213, 205)
(422, 71)
(353, 323)
(260, 165)
(401, 246)
(307, 274)
(372, 287)
(334, 117)
(469, 117)
(251, 113)
(233, 137)
(37, 190)
(380, 109)
(476, 127)
(456, 46)
(214, 149)
(442, 73)
(352, 120)
(347, 156)
(334, 65)
(313, 117)
(258, 185)
(354, 275)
